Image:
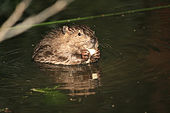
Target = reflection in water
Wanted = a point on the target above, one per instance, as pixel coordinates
(79, 80)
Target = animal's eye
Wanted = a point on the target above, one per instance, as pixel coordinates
(79, 34)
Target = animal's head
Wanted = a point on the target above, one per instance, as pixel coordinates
(81, 36)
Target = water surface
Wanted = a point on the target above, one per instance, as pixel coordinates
(132, 75)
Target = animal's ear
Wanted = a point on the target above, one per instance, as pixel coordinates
(65, 29)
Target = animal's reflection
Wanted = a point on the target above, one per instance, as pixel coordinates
(79, 80)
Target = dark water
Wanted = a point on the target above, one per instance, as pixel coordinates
(132, 75)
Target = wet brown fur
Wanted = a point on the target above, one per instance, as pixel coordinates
(65, 46)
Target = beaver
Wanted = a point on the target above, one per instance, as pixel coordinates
(69, 45)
